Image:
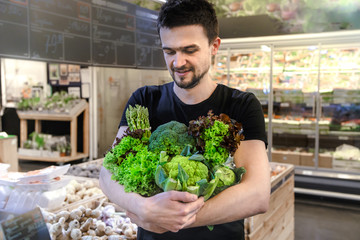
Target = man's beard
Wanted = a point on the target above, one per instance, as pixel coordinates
(188, 85)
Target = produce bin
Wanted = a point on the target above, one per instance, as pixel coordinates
(278, 222)
(285, 157)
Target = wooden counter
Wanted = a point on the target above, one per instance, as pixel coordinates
(278, 222)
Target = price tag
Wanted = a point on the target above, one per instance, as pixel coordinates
(307, 172)
(344, 138)
(29, 226)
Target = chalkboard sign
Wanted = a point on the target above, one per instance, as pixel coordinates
(148, 39)
(125, 54)
(15, 41)
(143, 56)
(113, 34)
(30, 225)
(158, 58)
(13, 13)
(104, 52)
(77, 49)
(112, 18)
(46, 45)
(13, 30)
(91, 32)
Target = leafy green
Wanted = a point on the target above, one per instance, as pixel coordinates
(137, 173)
(217, 137)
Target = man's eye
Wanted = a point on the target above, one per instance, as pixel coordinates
(190, 50)
(169, 52)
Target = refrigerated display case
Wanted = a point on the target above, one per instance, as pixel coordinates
(309, 87)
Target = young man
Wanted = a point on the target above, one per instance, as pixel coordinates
(188, 31)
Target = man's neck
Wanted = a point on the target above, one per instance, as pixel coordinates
(199, 93)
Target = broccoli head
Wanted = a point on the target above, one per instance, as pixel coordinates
(171, 137)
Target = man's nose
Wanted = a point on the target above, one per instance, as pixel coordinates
(180, 60)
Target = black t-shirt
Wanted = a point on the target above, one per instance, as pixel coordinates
(165, 106)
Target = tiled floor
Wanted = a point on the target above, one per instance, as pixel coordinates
(326, 219)
(316, 218)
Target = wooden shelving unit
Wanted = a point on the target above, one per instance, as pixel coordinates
(72, 117)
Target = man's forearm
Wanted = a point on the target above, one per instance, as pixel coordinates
(237, 202)
(249, 197)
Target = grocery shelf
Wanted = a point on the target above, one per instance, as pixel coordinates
(308, 86)
(72, 117)
(322, 193)
(64, 159)
(328, 174)
(328, 182)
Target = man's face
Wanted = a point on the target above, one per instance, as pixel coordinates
(187, 54)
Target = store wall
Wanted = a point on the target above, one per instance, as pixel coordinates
(114, 87)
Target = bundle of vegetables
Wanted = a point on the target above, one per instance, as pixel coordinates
(176, 157)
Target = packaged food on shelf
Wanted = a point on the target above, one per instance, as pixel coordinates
(347, 152)
(21, 201)
(23, 191)
(44, 174)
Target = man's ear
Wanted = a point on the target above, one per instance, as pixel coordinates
(215, 46)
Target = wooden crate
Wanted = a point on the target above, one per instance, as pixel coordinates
(285, 157)
(307, 159)
(325, 160)
(278, 222)
(346, 165)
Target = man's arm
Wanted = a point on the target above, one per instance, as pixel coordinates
(167, 211)
(246, 199)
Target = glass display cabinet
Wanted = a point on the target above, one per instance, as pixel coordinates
(309, 87)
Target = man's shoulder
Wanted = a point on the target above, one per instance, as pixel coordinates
(234, 92)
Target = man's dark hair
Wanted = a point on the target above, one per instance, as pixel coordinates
(176, 13)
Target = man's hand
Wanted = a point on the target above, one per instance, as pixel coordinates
(167, 211)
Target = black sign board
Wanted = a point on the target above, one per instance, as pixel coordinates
(30, 226)
(13, 29)
(90, 32)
